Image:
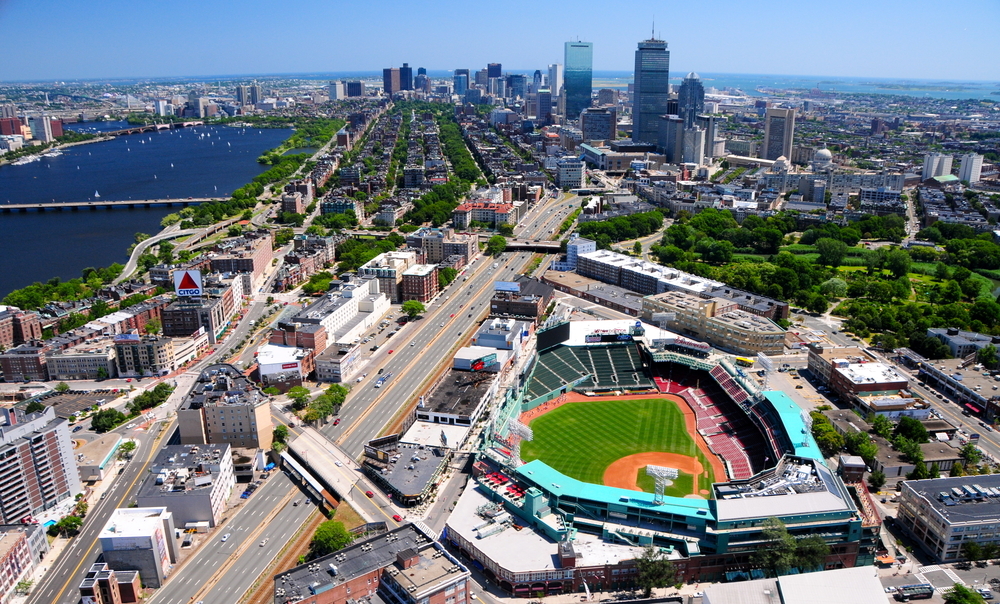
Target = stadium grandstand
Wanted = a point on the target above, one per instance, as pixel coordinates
(762, 437)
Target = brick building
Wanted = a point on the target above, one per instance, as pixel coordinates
(420, 282)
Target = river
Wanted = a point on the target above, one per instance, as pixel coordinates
(206, 161)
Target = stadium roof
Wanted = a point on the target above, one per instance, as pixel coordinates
(559, 484)
(791, 418)
(578, 330)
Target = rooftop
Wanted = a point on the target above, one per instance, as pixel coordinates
(458, 392)
(133, 522)
(183, 468)
(222, 384)
(870, 373)
(858, 585)
(420, 270)
(961, 499)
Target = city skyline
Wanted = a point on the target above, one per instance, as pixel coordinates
(150, 44)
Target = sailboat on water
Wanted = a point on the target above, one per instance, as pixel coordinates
(97, 195)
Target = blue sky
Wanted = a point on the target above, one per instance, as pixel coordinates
(69, 39)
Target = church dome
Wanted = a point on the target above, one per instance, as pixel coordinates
(823, 155)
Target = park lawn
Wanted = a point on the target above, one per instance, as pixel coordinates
(582, 439)
(682, 484)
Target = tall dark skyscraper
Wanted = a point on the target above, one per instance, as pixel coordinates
(406, 77)
(493, 70)
(578, 77)
(390, 80)
(691, 99)
(652, 89)
(517, 86)
(421, 71)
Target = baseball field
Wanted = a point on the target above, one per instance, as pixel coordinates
(611, 441)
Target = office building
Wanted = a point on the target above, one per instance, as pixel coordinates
(517, 86)
(779, 130)
(354, 89)
(652, 89)
(406, 77)
(39, 442)
(942, 514)
(570, 173)
(971, 168)
(391, 81)
(460, 81)
(822, 359)
(717, 321)
(147, 355)
(250, 254)
(41, 129)
(555, 79)
(690, 99)
(578, 77)
(335, 90)
(607, 96)
(90, 360)
(193, 483)
(102, 585)
(543, 106)
(224, 407)
(438, 243)
(142, 540)
(212, 313)
(671, 138)
(494, 70)
(599, 124)
(404, 566)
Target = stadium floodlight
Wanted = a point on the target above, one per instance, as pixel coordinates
(517, 432)
(765, 362)
(663, 477)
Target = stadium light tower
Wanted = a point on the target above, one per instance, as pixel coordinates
(518, 432)
(663, 478)
(767, 365)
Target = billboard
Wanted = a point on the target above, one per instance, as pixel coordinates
(187, 283)
(595, 338)
(506, 286)
(692, 344)
(289, 365)
(554, 336)
(486, 361)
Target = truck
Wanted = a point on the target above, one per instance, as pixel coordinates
(382, 380)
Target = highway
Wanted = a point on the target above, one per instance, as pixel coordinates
(142, 246)
(268, 514)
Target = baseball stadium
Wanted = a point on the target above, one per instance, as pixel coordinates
(622, 435)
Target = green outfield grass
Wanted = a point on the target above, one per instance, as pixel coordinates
(680, 488)
(582, 439)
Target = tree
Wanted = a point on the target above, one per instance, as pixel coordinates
(836, 288)
(971, 551)
(126, 450)
(912, 429)
(876, 480)
(102, 373)
(413, 308)
(654, 570)
(957, 470)
(935, 471)
(506, 229)
(882, 426)
(970, 455)
(280, 434)
(831, 251)
(637, 249)
(987, 355)
(960, 594)
(817, 304)
(811, 552)
(153, 326)
(62, 387)
(776, 553)
(299, 396)
(166, 253)
(34, 407)
(941, 271)
(23, 587)
(898, 262)
(496, 245)
(919, 472)
(328, 538)
(67, 525)
(81, 509)
(106, 420)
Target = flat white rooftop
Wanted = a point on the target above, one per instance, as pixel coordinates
(427, 433)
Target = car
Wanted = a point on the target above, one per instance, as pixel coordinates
(390, 352)
(798, 386)
(397, 517)
(453, 315)
(890, 590)
(336, 422)
(264, 541)
(369, 493)
(381, 370)
(128, 379)
(225, 537)
(77, 429)
(338, 464)
(295, 503)
(473, 596)
(442, 325)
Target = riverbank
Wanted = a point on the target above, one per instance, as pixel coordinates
(58, 145)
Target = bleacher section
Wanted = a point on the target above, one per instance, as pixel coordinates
(588, 368)
(734, 390)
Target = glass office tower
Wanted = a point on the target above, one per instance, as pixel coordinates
(652, 89)
(578, 77)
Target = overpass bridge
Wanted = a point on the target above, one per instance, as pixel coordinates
(526, 245)
(75, 206)
(152, 128)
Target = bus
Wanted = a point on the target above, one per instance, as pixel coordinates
(744, 362)
(916, 591)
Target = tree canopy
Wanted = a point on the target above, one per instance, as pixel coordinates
(329, 537)
(654, 570)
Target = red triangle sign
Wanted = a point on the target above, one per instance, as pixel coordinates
(187, 282)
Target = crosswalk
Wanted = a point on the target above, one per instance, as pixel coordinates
(918, 574)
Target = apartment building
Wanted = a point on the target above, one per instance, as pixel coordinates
(92, 360)
(141, 540)
(388, 268)
(192, 482)
(145, 355)
(420, 282)
(439, 243)
(224, 407)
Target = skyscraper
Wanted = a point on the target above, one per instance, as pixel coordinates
(406, 77)
(493, 70)
(652, 89)
(936, 164)
(517, 86)
(543, 105)
(779, 128)
(390, 80)
(971, 168)
(690, 99)
(556, 79)
(461, 81)
(578, 79)
(599, 124)
(536, 81)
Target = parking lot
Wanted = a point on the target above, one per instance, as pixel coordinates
(72, 403)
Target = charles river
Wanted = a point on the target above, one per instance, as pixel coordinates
(205, 161)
